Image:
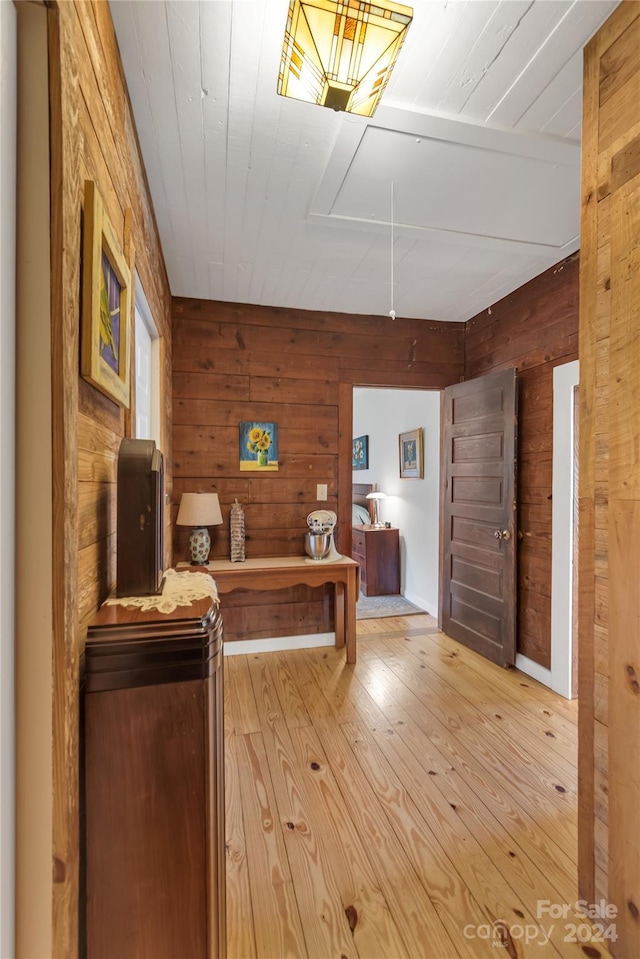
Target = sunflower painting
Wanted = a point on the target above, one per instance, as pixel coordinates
(258, 446)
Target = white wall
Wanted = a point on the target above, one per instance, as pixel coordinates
(412, 504)
(8, 59)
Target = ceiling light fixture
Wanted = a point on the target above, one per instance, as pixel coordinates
(340, 53)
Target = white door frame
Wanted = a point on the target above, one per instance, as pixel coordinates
(143, 314)
(559, 676)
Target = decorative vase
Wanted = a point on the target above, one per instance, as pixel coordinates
(199, 544)
(236, 531)
(263, 458)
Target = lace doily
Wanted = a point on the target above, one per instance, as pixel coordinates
(179, 589)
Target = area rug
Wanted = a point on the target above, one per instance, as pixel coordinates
(379, 607)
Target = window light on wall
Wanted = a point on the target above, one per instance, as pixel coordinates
(341, 54)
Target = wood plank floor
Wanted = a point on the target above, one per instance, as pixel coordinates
(421, 804)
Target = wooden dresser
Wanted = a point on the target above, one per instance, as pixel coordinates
(154, 783)
(377, 549)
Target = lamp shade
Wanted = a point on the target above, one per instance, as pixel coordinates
(199, 509)
(340, 54)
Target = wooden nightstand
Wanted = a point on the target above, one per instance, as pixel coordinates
(378, 552)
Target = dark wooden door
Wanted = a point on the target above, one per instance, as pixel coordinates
(480, 533)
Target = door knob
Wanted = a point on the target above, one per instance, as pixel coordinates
(498, 534)
(506, 534)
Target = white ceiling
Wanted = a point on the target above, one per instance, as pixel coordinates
(469, 171)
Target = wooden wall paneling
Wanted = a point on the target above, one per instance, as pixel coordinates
(277, 616)
(345, 473)
(92, 135)
(534, 329)
(96, 565)
(197, 463)
(412, 375)
(609, 428)
(202, 412)
(354, 337)
(586, 572)
(100, 445)
(235, 362)
(624, 563)
(190, 439)
(533, 571)
(330, 325)
(99, 409)
(618, 113)
(188, 359)
(66, 190)
(96, 512)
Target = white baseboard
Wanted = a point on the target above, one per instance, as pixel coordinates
(535, 670)
(419, 602)
(274, 644)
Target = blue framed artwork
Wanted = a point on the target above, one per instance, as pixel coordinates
(360, 453)
(258, 446)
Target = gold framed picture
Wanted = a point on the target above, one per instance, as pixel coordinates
(411, 455)
(106, 303)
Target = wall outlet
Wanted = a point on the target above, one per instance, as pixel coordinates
(321, 492)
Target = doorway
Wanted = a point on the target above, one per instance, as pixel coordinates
(411, 505)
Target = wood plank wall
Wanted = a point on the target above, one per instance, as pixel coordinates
(609, 611)
(93, 136)
(296, 368)
(534, 329)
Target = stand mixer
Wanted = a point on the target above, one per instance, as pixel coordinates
(318, 542)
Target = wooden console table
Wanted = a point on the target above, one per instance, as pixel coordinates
(282, 572)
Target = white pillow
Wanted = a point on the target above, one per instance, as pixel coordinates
(359, 515)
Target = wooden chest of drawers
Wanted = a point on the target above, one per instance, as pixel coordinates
(154, 783)
(378, 552)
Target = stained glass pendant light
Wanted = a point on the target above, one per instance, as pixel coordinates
(341, 54)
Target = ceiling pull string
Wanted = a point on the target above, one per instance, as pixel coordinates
(392, 312)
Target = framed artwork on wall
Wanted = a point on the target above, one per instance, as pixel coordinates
(360, 453)
(106, 303)
(411, 455)
(258, 446)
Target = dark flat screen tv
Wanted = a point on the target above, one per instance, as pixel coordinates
(140, 519)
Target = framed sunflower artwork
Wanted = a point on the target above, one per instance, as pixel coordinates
(258, 446)
(106, 303)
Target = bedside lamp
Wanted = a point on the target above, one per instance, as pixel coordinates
(199, 510)
(376, 496)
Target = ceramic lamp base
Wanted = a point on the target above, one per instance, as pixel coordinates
(199, 544)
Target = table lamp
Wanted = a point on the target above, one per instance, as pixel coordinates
(376, 496)
(199, 510)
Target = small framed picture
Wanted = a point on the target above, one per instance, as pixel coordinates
(106, 303)
(411, 455)
(258, 446)
(360, 453)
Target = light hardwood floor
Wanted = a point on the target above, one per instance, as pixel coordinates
(421, 804)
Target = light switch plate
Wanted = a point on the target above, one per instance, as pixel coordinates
(321, 492)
